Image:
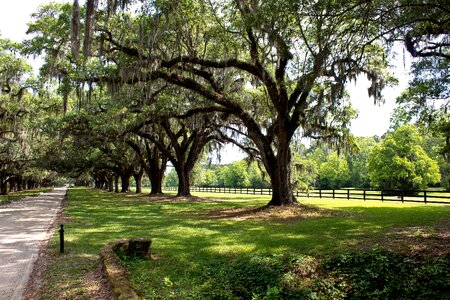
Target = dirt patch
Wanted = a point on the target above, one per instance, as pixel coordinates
(281, 213)
(96, 285)
(36, 281)
(417, 241)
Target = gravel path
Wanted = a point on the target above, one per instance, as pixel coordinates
(23, 225)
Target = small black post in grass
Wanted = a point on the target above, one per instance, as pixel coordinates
(61, 238)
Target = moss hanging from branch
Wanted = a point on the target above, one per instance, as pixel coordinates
(91, 6)
(75, 32)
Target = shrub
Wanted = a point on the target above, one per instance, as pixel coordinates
(381, 274)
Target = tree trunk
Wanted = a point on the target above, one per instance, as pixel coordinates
(110, 184)
(12, 186)
(3, 189)
(19, 184)
(184, 187)
(125, 180)
(279, 172)
(156, 179)
(157, 163)
(138, 179)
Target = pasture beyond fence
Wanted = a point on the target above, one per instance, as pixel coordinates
(423, 196)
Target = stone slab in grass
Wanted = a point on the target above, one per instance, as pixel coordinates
(117, 276)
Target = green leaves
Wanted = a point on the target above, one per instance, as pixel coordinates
(334, 173)
(400, 162)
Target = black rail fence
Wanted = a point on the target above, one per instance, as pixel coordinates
(423, 196)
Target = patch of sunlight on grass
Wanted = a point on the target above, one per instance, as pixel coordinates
(339, 203)
(226, 249)
(256, 199)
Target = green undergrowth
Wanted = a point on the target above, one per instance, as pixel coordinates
(22, 194)
(202, 251)
(374, 274)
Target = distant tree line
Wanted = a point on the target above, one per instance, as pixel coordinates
(239, 174)
(404, 158)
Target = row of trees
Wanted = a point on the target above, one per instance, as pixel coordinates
(143, 83)
(20, 112)
(403, 159)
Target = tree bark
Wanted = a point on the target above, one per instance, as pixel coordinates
(138, 179)
(125, 180)
(157, 163)
(3, 189)
(184, 186)
(279, 172)
(12, 186)
(19, 184)
(111, 184)
(156, 179)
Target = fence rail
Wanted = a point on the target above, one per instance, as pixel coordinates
(423, 196)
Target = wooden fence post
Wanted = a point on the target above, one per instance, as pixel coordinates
(425, 196)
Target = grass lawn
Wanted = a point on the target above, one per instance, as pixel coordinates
(192, 238)
(22, 194)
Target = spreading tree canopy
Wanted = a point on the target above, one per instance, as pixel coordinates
(270, 68)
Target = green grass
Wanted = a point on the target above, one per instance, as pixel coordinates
(188, 239)
(22, 194)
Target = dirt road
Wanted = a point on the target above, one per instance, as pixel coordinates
(23, 225)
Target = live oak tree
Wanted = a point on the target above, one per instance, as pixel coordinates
(50, 37)
(153, 161)
(182, 142)
(273, 68)
(19, 115)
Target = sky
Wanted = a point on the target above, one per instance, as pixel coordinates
(373, 119)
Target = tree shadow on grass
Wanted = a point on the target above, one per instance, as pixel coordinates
(271, 213)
